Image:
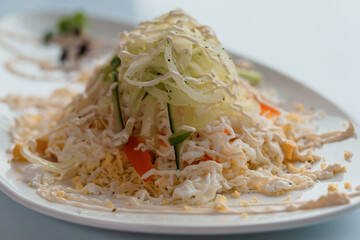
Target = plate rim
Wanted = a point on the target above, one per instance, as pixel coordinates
(160, 228)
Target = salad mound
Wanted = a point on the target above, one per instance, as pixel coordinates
(171, 119)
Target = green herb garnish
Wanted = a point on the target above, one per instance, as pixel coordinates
(179, 137)
(74, 24)
(47, 37)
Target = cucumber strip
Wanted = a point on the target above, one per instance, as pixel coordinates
(114, 64)
(172, 118)
(177, 156)
(145, 95)
(147, 129)
(253, 77)
(110, 71)
(179, 137)
(136, 97)
(118, 121)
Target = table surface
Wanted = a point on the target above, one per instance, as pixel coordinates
(316, 42)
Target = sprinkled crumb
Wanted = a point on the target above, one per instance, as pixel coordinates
(220, 206)
(8, 161)
(300, 107)
(186, 208)
(348, 155)
(323, 158)
(75, 179)
(235, 194)
(333, 187)
(323, 165)
(60, 194)
(245, 204)
(109, 204)
(222, 199)
(347, 185)
(342, 169)
(293, 117)
(307, 165)
(113, 210)
(18, 179)
(30, 184)
(244, 215)
(288, 198)
(164, 202)
(78, 186)
(254, 200)
(344, 124)
(85, 191)
(323, 114)
(163, 219)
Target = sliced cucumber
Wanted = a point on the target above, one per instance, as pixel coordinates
(137, 95)
(178, 135)
(145, 95)
(115, 62)
(172, 119)
(147, 127)
(108, 69)
(118, 121)
(253, 77)
(177, 156)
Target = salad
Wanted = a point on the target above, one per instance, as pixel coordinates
(170, 119)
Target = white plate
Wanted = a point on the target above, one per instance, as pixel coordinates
(36, 23)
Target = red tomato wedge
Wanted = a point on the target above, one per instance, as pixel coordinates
(140, 160)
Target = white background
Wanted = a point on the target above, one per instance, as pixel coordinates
(316, 42)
